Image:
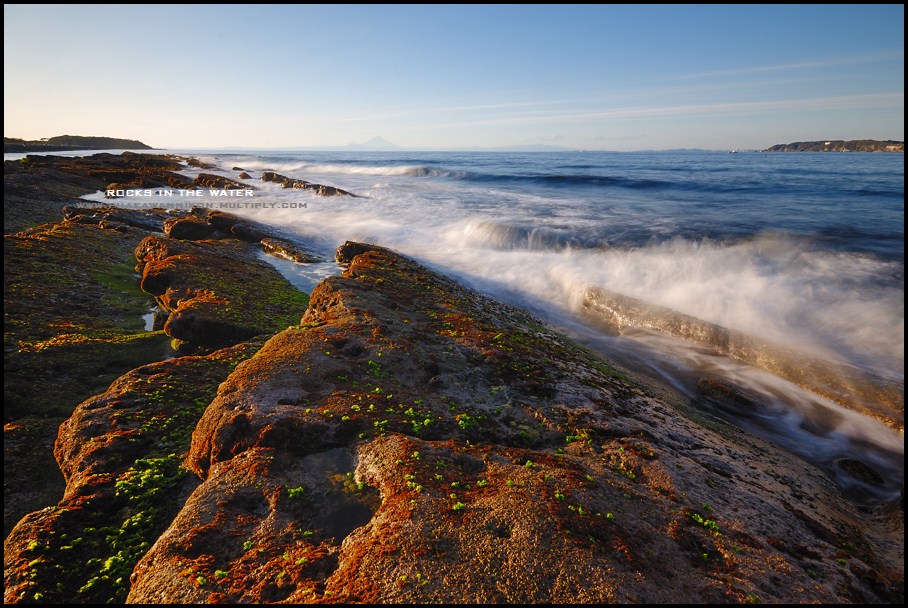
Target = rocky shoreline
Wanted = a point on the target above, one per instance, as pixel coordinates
(392, 437)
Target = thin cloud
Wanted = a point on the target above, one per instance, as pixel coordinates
(858, 60)
(880, 100)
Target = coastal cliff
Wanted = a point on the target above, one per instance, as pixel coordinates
(391, 437)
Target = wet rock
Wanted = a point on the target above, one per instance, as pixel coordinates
(350, 249)
(188, 228)
(150, 220)
(217, 292)
(237, 227)
(861, 471)
(210, 180)
(736, 398)
(289, 182)
(285, 249)
(222, 221)
(862, 391)
(194, 162)
(248, 232)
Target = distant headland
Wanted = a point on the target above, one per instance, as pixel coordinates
(838, 145)
(62, 143)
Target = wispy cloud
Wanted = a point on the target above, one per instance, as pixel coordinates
(879, 100)
(410, 112)
(803, 65)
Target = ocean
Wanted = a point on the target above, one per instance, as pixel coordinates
(798, 255)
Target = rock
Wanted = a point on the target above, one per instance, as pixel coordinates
(285, 249)
(533, 472)
(60, 177)
(194, 162)
(209, 180)
(31, 477)
(289, 182)
(330, 191)
(246, 231)
(188, 228)
(237, 227)
(223, 221)
(864, 392)
(113, 187)
(737, 399)
(350, 249)
(861, 471)
(120, 455)
(149, 220)
(73, 312)
(217, 292)
(244, 175)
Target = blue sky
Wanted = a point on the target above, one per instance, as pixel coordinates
(606, 77)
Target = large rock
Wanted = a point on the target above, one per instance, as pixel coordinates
(860, 390)
(210, 180)
(301, 184)
(188, 228)
(285, 249)
(414, 442)
(36, 188)
(217, 292)
(120, 455)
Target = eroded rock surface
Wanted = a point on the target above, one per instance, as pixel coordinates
(217, 292)
(509, 465)
(120, 454)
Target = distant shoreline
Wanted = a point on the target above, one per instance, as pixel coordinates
(71, 143)
(854, 145)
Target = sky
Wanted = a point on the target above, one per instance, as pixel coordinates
(590, 77)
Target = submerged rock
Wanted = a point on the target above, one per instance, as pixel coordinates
(856, 389)
(285, 249)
